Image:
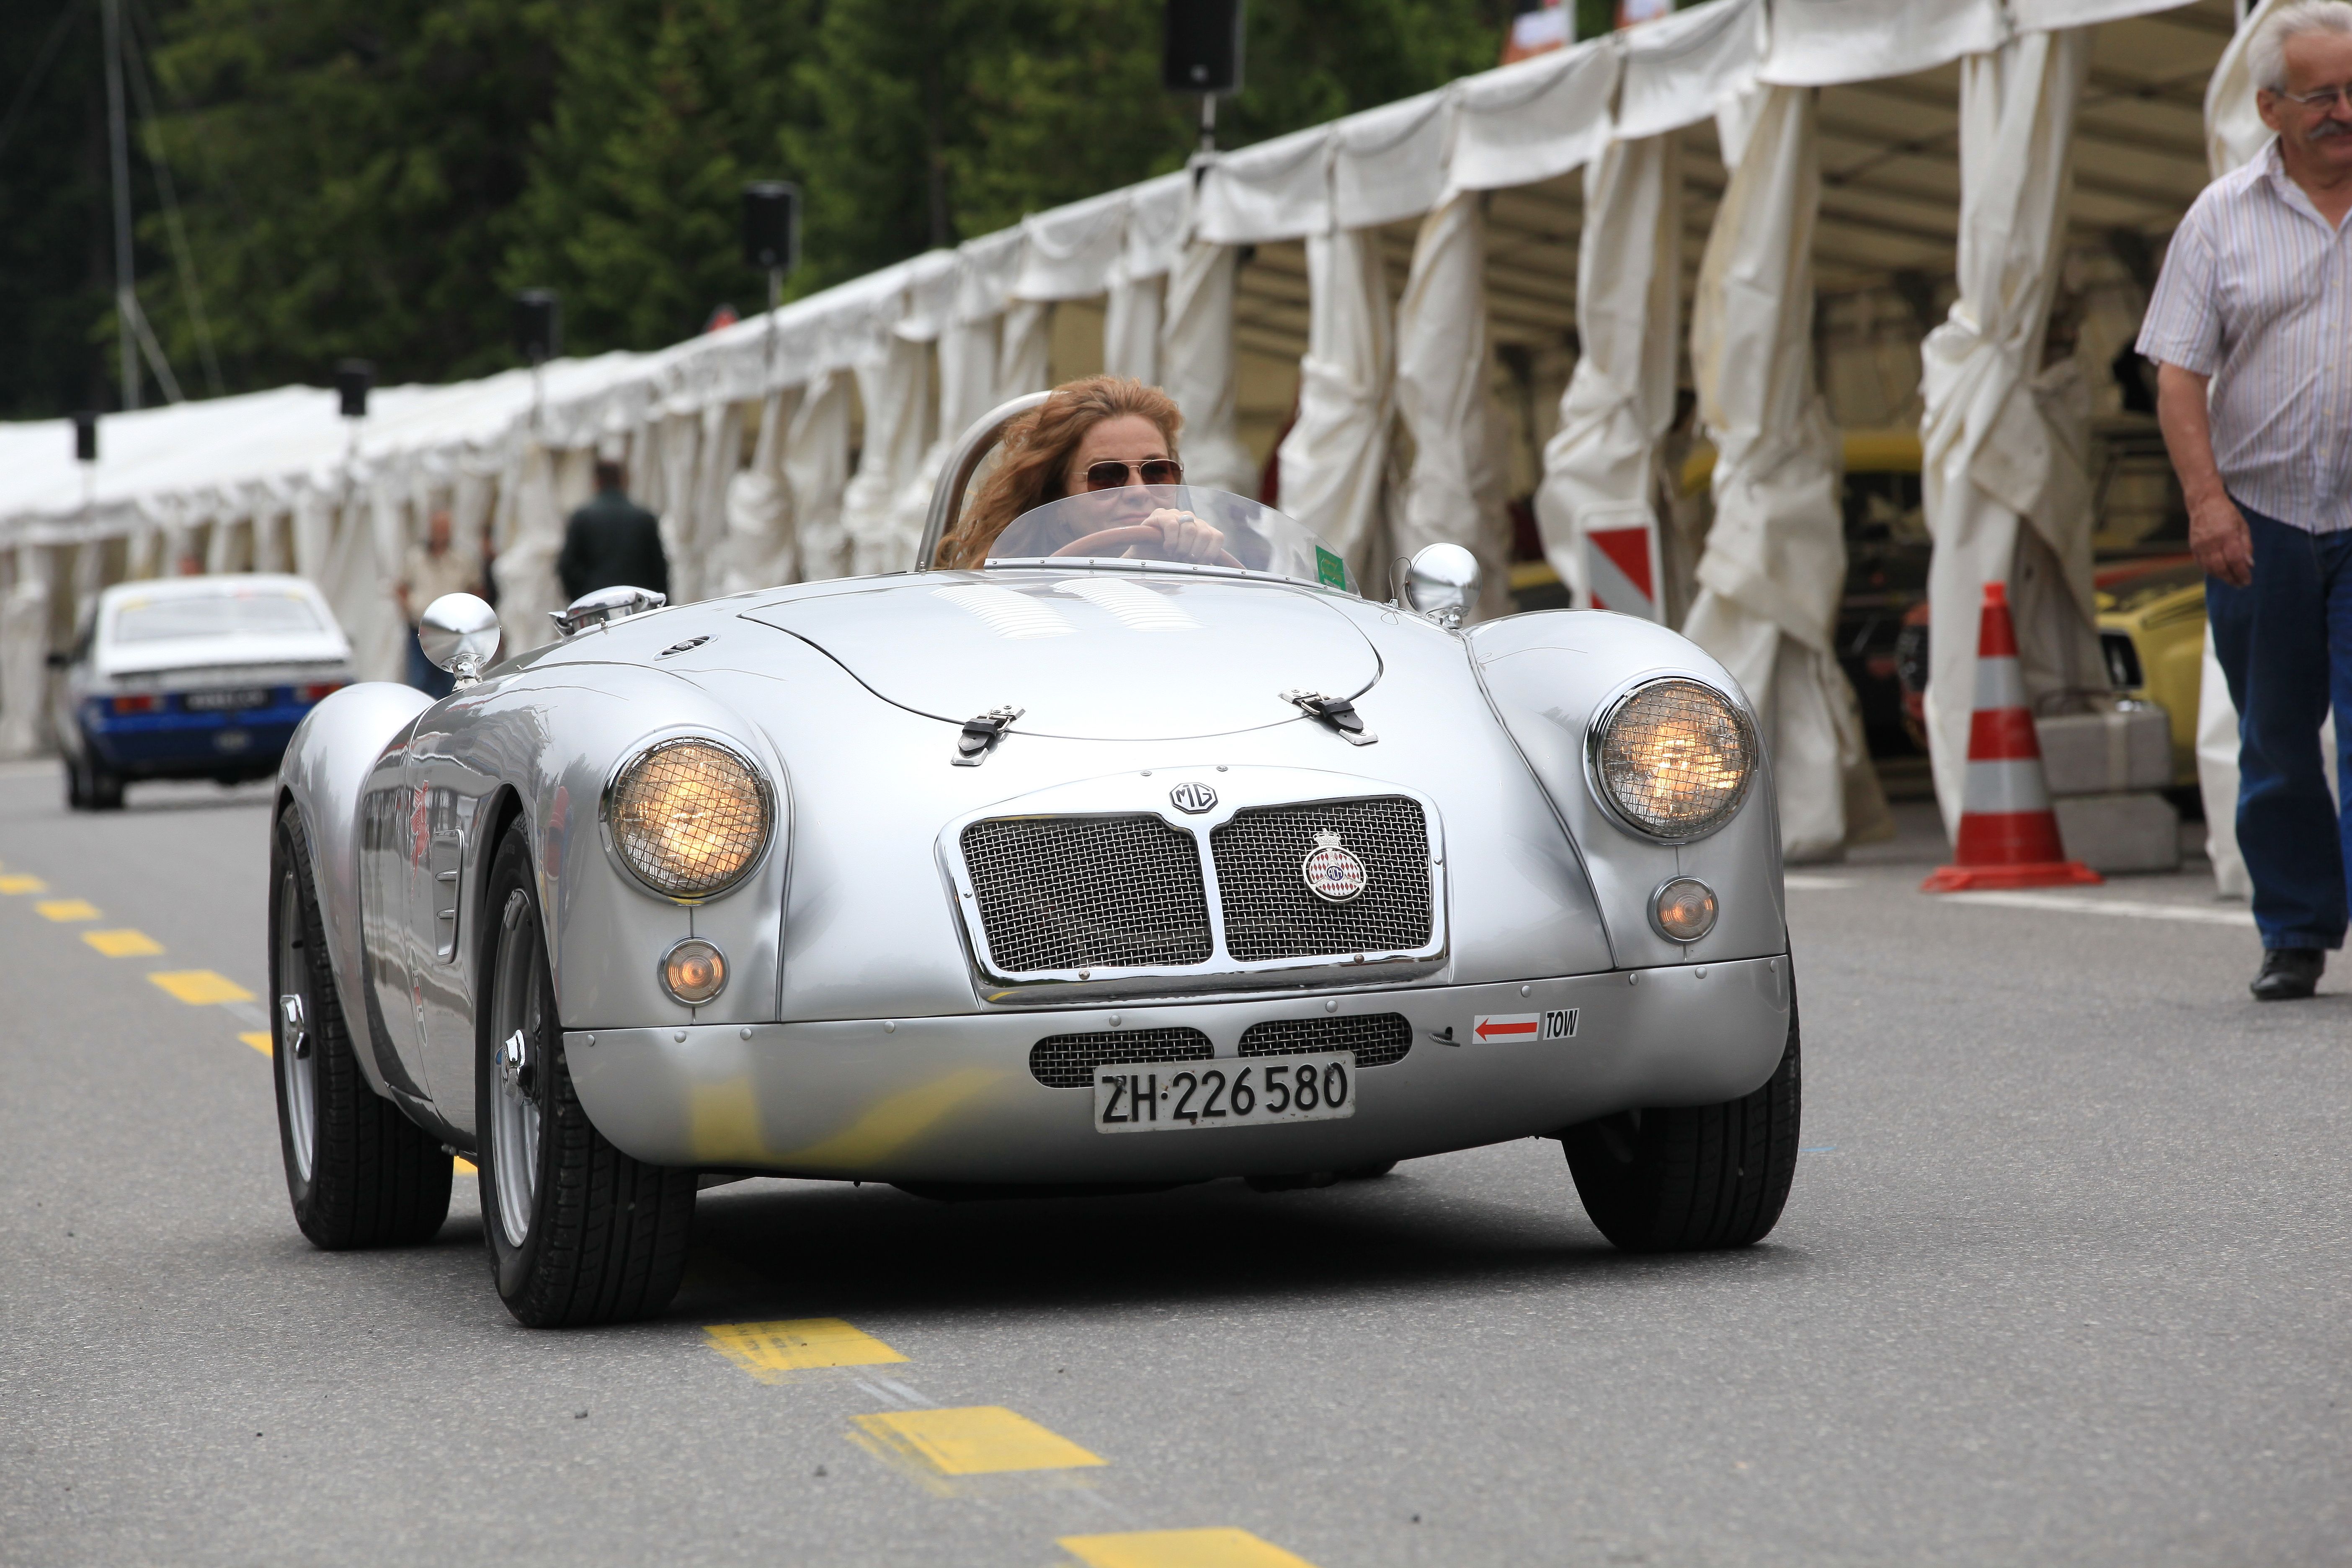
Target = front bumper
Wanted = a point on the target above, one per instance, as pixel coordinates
(951, 1099)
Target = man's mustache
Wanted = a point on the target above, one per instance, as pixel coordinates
(2327, 129)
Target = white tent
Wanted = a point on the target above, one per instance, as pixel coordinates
(1412, 280)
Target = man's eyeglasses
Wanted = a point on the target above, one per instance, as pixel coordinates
(1111, 474)
(2325, 98)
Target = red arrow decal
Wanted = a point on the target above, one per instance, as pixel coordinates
(1489, 1027)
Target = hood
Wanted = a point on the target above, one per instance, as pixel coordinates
(1089, 655)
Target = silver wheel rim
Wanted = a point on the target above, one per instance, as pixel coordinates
(518, 1015)
(296, 1050)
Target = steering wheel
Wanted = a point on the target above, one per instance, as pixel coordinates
(1133, 534)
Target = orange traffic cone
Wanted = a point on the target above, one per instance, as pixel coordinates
(2009, 834)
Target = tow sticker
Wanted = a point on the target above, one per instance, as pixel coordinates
(1558, 1023)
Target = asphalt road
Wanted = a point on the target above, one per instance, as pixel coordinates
(2064, 1279)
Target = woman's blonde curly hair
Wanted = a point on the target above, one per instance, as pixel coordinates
(1036, 450)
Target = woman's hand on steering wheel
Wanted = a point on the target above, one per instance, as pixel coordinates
(1178, 535)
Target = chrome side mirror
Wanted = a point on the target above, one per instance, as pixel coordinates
(1440, 582)
(598, 606)
(460, 632)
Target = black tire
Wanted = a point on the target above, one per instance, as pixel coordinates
(76, 785)
(578, 1232)
(105, 787)
(373, 1178)
(1694, 1178)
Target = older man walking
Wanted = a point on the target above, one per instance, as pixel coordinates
(2250, 326)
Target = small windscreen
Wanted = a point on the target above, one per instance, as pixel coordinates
(1177, 523)
(235, 613)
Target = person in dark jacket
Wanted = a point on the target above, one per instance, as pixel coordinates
(612, 542)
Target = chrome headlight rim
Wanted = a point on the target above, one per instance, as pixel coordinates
(1596, 737)
(632, 757)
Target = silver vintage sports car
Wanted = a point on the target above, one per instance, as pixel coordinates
(1084, 870)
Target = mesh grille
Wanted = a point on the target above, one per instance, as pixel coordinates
(1377, 1039)
(1085, 892)
(1271, 913)
(1676, 759)
(1068, 1061)
(688, 818)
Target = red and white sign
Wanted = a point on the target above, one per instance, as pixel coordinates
(1621, 566)
(1558, 1024)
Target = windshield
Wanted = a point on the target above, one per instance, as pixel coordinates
(268, 611)
(1174, 523)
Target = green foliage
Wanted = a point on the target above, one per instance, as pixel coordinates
(375, 177)
(56, 234)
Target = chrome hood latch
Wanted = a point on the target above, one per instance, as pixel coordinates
(980, 734)
(1336, 711)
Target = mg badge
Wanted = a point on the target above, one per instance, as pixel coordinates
(1194, 798)
(1333, 875)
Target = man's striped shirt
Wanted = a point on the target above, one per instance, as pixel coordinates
(2256, 292)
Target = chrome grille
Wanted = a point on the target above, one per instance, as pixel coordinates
(1271, 913)
(1068, 1061)
(1377, 1038)
(1088, 892)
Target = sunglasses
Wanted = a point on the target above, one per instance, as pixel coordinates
(1111, 474)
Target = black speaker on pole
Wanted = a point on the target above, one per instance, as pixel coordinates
(352, 379)
(1202, 47)
(771, 226)
(85, 438)
(538, 325)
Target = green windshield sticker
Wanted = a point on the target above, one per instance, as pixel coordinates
(1329, 568)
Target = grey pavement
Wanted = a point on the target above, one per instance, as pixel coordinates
(2063, 1280)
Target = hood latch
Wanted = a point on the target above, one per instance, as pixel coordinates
(980, 734)
(1336, 711)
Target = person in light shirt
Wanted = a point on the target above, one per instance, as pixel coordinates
(2251, 328)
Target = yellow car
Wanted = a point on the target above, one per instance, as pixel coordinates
(2152, 633)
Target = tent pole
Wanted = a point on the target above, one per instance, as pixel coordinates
(126, 299)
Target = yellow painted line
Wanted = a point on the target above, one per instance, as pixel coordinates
(976, 1440)
(199, 987)
(63, 910)
(259, 1039)
(465, 1166)
(768, 1351)
(125, 943)
(13, 885)
(1179, 1549)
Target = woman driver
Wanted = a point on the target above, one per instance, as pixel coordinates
(1102, 433)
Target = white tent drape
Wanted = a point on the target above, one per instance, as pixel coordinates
(1998, 444)
(24, 648)
(760, 506)
(1024, 354)
(1132, 326)
(675, 441)
(1455, 491)
(1775, 562)
(1599, 472)
(894, 386)
(1335, 458)
(1196, 369)
(816, 470)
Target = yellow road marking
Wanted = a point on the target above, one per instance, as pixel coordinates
(198, 987)
(125, 943)
(976, 1440)
(13, 885)
(1179, 1549)
(259, 1039)
(768, 1351)
(67, 910)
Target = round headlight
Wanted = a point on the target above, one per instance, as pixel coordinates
(1673, 759)
(689, 818)
(1683, 910)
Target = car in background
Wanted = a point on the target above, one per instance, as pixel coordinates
(193, 677)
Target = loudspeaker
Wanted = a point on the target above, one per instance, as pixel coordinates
(1202, 47)
(771, 226)
(85, 438)
(352, 379)
(538, 325)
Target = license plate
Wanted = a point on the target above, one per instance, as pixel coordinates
(1181, 1097)
(225, 702)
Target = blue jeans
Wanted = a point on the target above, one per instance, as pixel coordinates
(423, 674)
(2286, 648)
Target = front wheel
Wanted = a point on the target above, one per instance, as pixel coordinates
(578, 1232)
(1693, 1178)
